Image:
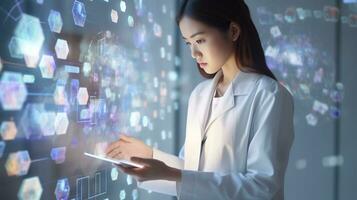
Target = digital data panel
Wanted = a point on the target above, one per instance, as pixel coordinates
(74, 75)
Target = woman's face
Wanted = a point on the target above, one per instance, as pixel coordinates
(209, 47)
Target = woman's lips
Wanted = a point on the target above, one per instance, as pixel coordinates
(203, 65)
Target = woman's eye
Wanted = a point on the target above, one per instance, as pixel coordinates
(199, 41)
(187, 43)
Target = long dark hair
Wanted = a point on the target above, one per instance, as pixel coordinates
(219, 14)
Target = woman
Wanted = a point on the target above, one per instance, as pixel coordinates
(239, 123)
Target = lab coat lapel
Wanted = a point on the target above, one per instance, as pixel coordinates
(206, 96)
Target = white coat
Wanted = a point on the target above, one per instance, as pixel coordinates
(247, 147)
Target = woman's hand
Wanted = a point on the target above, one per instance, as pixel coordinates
(127, 147)
(152, 170)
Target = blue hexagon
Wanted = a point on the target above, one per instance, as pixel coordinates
(13, 91)
(18, 163)
(29, 35)
(55, 21)
(47, 66)
(62, 189)
(30, 188)
(79, 13)
(58, 154)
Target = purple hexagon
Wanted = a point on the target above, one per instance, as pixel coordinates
(47, 66)
(79, 13)
(13, 91)
(18, 163)
(62, 189)
(58, 154)
(55, 21)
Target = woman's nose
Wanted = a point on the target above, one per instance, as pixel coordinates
(195, 53)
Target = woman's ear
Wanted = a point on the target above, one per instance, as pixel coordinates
(234, 31)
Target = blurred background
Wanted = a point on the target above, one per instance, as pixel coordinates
(75, 74)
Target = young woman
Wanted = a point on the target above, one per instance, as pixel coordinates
(239, 123)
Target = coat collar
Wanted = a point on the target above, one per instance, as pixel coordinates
(242, 84)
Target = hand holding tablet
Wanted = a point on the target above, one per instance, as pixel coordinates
(124, 163)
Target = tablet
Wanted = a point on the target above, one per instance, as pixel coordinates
(124, 163)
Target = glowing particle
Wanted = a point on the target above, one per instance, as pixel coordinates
(8, 130)
(114, 174)
(134, 119)
(130, 21)
(122, 194)
(129, 180)
(30, 188)
(86, 68)
(60, 95)
(275, 31)
(135, 194)
(301, 164)
(157, 30)
(311, 119)
(332, 161)
(320, 107)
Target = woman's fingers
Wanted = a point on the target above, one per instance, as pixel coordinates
(113, 146)
(114, 152)
(126, 138)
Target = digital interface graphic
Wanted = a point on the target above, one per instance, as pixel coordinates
(75, 75)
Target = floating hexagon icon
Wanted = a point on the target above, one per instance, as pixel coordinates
(58, 154)
(55, 21)
(47, 66)
(30, 188)
(18, 163)
(13, 91)
(82, 96)
(61, 49)
(61, 123)
(30, 35)
(114, 174)
(62, 189)
(114, 16)
(79, 13)
(8, 130)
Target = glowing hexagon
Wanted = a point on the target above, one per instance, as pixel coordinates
(61, 123)
(114, 16)
(82, 96)
(2, 148)
(47, 66)
(8, 130)
(55, 21)
(29, 35)
(114, 174)
(13, 91)
(60, 95)
(62, 189)
(30, 188)
(36, 122)
(18, 163)
(79, 13)
(58, 154)
(122, 6)
(61, 49)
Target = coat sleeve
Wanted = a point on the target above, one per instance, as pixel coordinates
(163, 186)
(272, 135)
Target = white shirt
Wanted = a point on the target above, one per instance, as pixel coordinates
(247, 147)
